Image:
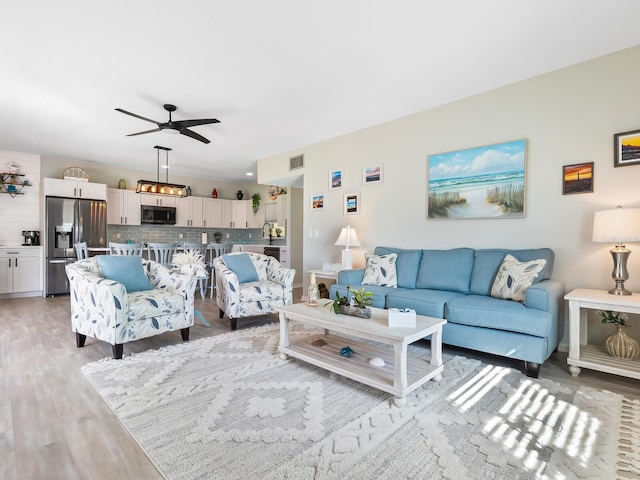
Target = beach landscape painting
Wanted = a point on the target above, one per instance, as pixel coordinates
(481, 182)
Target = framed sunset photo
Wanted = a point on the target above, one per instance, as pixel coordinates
(626, 148)
(577, 178)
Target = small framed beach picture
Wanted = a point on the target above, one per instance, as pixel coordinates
(372, 174)
(351, 203)
(577, 178)
(626, 148)
(335, 179)
(481, 182)
(317, 201)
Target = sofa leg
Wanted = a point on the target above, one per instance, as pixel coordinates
(80, 338)
(234, 323)
(117, 351)
(221, 312)
(531, 369)
(185, 334)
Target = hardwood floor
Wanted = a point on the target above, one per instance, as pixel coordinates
(53, 425)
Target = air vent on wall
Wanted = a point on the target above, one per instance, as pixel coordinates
(296, 162)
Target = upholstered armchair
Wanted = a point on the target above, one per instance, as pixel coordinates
(105, 310)
(240, 293)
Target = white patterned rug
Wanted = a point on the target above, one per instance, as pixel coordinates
(226, 407)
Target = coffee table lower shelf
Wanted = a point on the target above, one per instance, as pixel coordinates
(358, 367)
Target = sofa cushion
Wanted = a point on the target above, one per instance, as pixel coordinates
(446, 270)
(381, 270)
(486, 264)
(430, 303)
(515, 277)
(489, 312)
(124, 269)
(407, 264)
(242, 266)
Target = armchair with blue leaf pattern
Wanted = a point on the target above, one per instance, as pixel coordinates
(103, 309)
(273, 289)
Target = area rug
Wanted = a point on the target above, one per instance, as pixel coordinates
(227, 407)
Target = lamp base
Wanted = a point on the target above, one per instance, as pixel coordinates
(620, 255)
(347, 259)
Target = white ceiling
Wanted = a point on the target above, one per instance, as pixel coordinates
(279, 74)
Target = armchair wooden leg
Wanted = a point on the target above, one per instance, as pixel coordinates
(234, 323)
(80, 338)
(185, 334)
(117, 351)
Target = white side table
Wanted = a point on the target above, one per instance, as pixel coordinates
(595, 357)
(322, 274)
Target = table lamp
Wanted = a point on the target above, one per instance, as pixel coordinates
(347, 238)
(618, 225)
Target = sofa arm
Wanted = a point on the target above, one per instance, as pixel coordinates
(545, 295)
(226, 283)
(351, 277)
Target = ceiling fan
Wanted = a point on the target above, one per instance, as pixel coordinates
(177, 126)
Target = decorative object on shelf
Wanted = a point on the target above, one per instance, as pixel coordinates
(217, 237)
(377, 362)
(158, 187)
(619, 344)
(279, 231)
(122, 184)
(347, 238)
(618, 225)
(273, 192)
(12, 183)
(577, 178)
(318, 342)
(188, 191)
(627, 148)
(255, 203)
(14, 167)
(239, 195)
(505, 185)
(313, 295)
(214, 193)
(347, 352)
(357, 306)
(75, 173)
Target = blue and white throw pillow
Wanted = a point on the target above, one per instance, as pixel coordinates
(381, 270)
(514, 277)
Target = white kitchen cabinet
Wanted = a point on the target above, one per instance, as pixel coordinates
(19, 270)
(190, 212)
(255, 220)
(54, 187)
(283, 211)
(157, 200)
(212, 213)
(234, 213)
(123, 207)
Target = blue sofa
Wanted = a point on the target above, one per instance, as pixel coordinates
(456, 285)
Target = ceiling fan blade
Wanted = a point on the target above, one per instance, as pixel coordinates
(195, 123)
(189, 133)
(146, 131)
(137, 116)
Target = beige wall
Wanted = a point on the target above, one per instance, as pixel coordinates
(569, 116)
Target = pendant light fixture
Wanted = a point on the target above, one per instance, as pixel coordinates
(158, 187)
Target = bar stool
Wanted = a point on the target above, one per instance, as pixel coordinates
(161, 252)
(81, 250)
(216, 250)
(202, 248)
(126, 248)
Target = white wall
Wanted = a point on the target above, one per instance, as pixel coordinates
(567, 117)
(22, 211)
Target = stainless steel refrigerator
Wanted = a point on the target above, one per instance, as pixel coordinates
(69, 221)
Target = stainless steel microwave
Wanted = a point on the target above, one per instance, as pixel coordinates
(158, 215)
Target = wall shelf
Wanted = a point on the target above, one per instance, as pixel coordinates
(7, 180)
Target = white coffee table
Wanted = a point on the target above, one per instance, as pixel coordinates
(401, 373)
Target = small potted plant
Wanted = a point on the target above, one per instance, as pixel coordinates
(358, 305)
(255, 202)
(619, 344)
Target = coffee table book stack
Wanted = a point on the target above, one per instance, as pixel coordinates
(400, 374)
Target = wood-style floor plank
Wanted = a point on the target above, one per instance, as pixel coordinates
(53, 424)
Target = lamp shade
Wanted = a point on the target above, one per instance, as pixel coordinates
(617, 225)
(348, 238)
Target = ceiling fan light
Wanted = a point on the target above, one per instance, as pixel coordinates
(170, 131)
